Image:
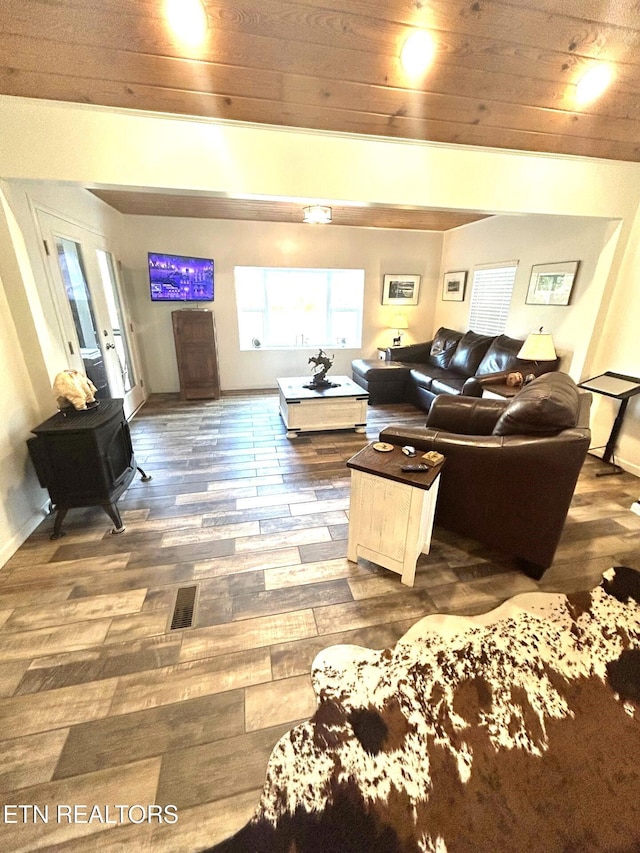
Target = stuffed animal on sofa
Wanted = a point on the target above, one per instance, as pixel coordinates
(72, 388)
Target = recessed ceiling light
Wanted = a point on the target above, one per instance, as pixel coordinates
(417, 53)
(187, 19)
(593, 83)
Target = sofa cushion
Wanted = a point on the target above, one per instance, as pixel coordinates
(443, 346)
(422, 375)
(501, 355)
(451, 384)
(546, 406)
(470, 352)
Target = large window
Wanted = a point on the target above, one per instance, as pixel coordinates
(281, 308)
(491, 297)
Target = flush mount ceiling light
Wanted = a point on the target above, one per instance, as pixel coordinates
(187, 19)
(317, 214)
(417, 53)
(593, 83)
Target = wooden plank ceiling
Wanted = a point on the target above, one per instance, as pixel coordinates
(504, 73)
(207, 207)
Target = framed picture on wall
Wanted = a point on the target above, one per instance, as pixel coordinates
(400, 289)
(551, 284)
(454, 285)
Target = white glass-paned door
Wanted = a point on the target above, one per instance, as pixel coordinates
(116, 319)
(91, 309)
(82, 311)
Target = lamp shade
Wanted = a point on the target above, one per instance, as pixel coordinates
(538, 347)
(399, 322)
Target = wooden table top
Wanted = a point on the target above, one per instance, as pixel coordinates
(388, 465)
(293, 388)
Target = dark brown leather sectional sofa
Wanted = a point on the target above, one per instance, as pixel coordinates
(511, 466)
(453, 363)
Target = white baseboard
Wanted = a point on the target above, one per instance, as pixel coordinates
(9, 548)
(629, 467)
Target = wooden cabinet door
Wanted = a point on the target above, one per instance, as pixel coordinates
(194, 334)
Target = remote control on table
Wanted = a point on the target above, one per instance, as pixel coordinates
(416, 468)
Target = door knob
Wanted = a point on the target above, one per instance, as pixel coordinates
(111, 346)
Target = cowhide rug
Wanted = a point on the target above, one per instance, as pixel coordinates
(518, 730)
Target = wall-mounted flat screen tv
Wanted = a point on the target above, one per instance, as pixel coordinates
(175, 278)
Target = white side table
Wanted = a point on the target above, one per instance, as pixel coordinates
(391, 512)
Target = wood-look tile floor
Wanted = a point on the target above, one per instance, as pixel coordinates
(101, 703)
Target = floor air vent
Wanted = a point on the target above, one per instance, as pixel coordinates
(183, 611)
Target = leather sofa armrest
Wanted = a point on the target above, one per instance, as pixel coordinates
(465, 415)
(458, 445)
(479, 451)
(494, 378)
(422, 438)
(418, 353)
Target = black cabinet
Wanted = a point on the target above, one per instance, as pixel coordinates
(85, 458)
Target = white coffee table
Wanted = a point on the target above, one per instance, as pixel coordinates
(310, 410)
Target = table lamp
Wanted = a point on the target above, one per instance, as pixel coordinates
(537, 347)
(399, 323)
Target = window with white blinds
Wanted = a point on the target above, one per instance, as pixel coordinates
(491, 297)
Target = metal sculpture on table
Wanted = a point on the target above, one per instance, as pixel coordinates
(321, 365)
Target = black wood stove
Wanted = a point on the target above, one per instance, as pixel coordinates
(85, 458)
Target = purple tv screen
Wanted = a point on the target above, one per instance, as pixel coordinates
(174, 278)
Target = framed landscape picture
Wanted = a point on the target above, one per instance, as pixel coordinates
(400, 289)
(454, 285)
(551, 284)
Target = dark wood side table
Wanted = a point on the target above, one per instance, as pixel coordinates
(619, 387)
(391, 511)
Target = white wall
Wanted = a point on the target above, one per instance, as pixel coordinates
(21, 508)
(533, 240)
(232, 243)
(618, 350)
(98, 145)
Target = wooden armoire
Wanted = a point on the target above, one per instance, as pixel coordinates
(194, 333)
